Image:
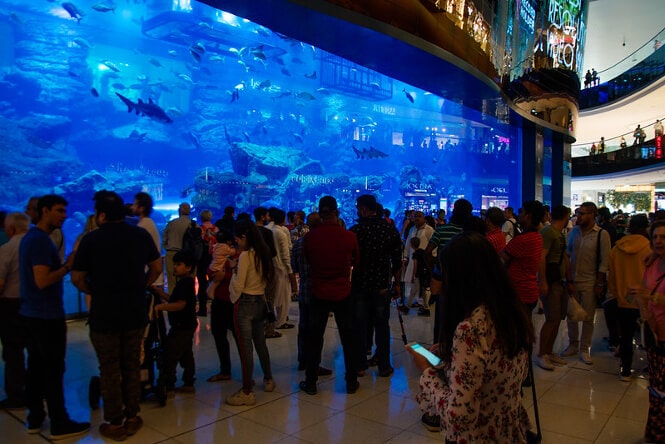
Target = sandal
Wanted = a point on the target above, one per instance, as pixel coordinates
(274, 334)
(219, 377)
(285, 326)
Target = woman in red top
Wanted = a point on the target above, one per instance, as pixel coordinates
(522, 254)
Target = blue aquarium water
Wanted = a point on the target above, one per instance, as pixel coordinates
(190, 103)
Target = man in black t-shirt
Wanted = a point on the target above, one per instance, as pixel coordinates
(110, 266)
(181, 305)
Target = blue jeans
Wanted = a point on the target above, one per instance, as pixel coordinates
(249, 315)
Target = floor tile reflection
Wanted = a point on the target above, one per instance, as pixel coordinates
(578, 403)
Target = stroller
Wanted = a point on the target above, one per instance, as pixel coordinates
(154, 338)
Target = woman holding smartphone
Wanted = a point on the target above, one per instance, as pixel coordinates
(484, 340)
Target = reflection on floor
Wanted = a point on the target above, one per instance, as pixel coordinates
(578, 403)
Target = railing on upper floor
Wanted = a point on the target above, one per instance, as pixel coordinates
(627, 76)
(638, 155)
(614, 143)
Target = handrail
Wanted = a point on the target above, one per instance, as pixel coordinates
(647, 154)
(613, 143)
(645, 51)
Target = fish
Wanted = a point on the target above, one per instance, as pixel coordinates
(142, 77)
(244, 133)
(216, 58)
(305, 96)
(408, 95)
(240, 86)
(324, 91)
(73, 11)
(298, 137)
(154, 62)
(279, 61)
(173, 52)
(197, 50)
(94, 92)
(311, 76)
(83, 43)
(264, 84)
(285, 72)
(110, 65)
(148, 109)
(195, 139)
(284, 94)
(15, 18)
(375, 85)
(371, 153)
(186, 78)
(119, 86)
(102, 7)
(205, 25)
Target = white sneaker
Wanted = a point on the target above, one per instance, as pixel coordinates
(544, 362)
(571, 350)
(556, 360)
(268, 385)
(586, 357)
(241, 398)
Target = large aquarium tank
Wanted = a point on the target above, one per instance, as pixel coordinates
(190, 103)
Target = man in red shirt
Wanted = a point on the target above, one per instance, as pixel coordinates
(522, 254)
(494, 220)
(331, 252)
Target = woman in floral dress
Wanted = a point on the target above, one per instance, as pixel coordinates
(484, 342)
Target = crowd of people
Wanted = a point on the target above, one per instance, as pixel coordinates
(480, 277)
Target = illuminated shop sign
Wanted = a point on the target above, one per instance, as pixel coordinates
(528, 14)
(565, 32)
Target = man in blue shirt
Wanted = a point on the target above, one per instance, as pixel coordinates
(41, 272)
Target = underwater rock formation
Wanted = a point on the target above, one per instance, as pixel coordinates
(273, 161)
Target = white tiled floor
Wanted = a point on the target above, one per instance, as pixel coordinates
(578, 403)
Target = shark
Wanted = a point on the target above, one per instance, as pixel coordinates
(149, 109)
(371, 153)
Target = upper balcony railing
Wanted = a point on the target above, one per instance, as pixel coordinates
(617, 142)
(643, 153)
(627, 76)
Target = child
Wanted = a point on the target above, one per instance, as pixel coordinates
(222, 250)
(181, 306)
(419, 278)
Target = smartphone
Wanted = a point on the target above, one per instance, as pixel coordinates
(431, 357)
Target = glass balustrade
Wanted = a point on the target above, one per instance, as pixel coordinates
(637, 70)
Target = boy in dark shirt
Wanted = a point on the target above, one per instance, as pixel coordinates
(181, 305)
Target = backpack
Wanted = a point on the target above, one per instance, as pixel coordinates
(517, 229)
(192, 242)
